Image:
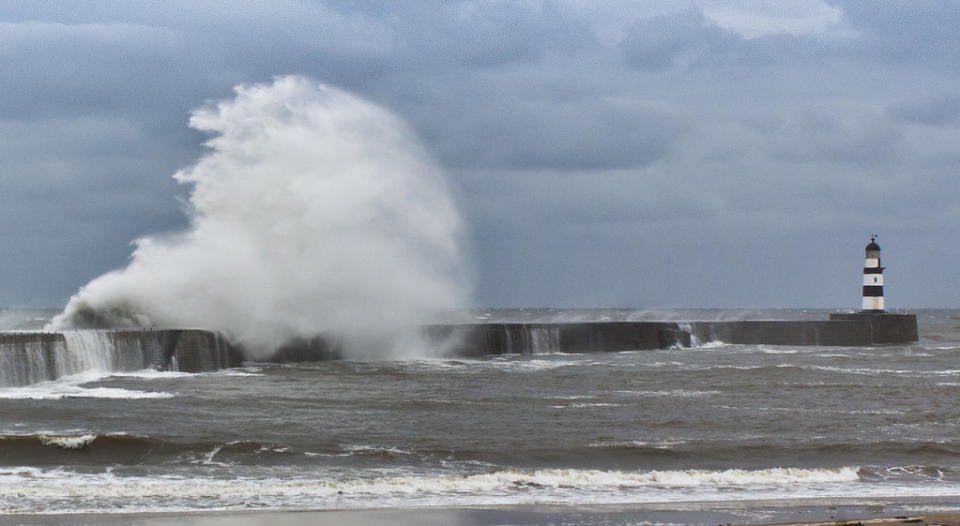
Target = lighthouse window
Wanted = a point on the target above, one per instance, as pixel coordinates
(874, 280)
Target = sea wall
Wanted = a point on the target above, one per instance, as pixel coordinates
(194, 351)
(31, 357)
(884, 327)
(849, 333)
(27, 358)
(475, 340)
(847, 329)
(318, 349)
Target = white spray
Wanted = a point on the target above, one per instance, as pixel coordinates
(313, 212)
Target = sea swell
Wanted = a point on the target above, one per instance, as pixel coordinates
(661, 426)
(32, 490)
(111, 449)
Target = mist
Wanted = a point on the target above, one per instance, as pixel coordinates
(313, 212)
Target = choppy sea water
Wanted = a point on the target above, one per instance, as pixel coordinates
(711, 423)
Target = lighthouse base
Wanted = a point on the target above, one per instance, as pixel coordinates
(884, 327)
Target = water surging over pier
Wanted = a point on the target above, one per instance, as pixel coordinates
(31, 357)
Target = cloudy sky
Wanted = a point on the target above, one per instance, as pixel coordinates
(602, 153)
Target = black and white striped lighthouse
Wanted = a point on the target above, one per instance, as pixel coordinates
(872, 278)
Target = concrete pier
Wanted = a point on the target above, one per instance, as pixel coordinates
(884, 327)
(29, 357)
(475, 340)
(855, 329)
(197, 350)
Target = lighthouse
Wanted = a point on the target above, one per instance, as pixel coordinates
(872, 278)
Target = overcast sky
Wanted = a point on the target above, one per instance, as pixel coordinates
(603, 153)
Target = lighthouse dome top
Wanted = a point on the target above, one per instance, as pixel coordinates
(873, 244)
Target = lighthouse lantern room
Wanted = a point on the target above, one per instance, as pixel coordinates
(872, 278)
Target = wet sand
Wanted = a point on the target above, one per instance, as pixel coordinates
(711, 514)
(933, 519)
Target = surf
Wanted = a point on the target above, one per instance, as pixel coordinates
(313, 211)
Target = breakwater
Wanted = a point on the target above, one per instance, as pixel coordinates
(30, 357)
(484, 339)
(846, 329)
(853, 329)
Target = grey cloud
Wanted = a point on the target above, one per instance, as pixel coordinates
(55, 68)
(479, 36)
(688, 41)
(584, 167)
(941, 110)
(676, 40)
(575, 135)
(589, 203)
(913, 34)
(62, 69)
(813, 135)
(75, 192)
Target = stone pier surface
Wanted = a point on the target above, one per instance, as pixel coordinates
(29, 357)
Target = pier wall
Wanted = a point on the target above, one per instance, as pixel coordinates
(30, 357)
(846, 329)
(527, 338)
(195, 351)
(489, 339)
(884, 327)
(475, 340)
(784, 332)
(27, 358)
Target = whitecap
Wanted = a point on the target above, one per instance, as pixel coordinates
(670, 393)
(68, 441)
(53, 492)
(72, 387)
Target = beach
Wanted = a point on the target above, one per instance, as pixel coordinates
(750, 514)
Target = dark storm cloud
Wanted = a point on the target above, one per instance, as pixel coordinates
(594, 146)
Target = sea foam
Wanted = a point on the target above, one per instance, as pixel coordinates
(314, 211)
(85, 492)
(72, 386)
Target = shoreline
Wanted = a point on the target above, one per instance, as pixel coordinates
(930, 511)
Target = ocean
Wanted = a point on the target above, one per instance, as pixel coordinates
(684, 428)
